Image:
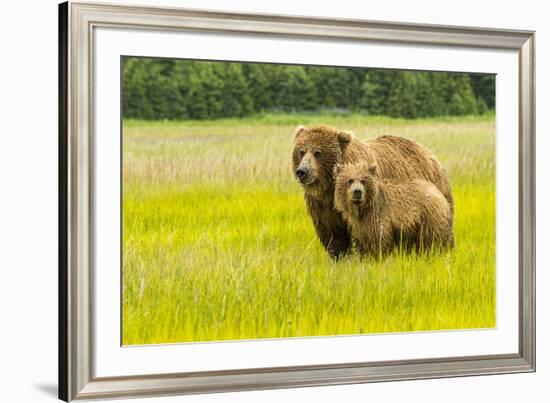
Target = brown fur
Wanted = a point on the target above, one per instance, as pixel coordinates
(397, 158)
(382, 214)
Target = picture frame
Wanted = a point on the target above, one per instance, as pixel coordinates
(77, 379)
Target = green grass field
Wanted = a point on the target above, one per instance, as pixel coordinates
(217, 244)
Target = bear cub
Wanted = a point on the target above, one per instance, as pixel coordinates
(383, 214)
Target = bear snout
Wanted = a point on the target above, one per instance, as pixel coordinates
(302, 173)
(357, 193)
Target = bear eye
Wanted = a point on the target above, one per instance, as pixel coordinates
(363, 181)
(350, 182)
(317, 154)
(302, 153)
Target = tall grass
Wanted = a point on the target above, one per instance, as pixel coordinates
(217, 244)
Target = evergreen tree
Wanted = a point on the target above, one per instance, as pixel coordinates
(462, 100)
(236, 97)
(402, 98)
(135, 103)
(481, 106)
(336, 87)
(428, 101)
(257, 78)
(294, 90)
(483, 86)
(205, 92)
(375, 91)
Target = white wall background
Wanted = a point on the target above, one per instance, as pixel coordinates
(28, 198)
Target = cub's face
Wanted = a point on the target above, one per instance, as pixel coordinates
(355, 187)
(316, 152)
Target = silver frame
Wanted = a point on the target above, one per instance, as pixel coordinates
(76, 24)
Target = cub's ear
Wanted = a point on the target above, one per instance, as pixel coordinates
(297, 131)
(337, 169)
(373, 169)
(344, 138)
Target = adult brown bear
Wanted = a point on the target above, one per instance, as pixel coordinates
(384, 214)
(317, 150)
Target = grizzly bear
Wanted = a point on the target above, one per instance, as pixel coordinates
(382, 214)
(317, 150)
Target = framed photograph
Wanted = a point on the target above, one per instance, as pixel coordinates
(263, 201)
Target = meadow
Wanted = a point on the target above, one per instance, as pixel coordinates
(217, 243)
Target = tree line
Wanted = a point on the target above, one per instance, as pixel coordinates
(180, 89)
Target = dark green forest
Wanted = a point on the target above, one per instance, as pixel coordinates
(157, 89)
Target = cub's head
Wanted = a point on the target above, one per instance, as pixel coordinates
(317, 150)
(356, 186)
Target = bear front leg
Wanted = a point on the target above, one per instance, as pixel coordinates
(336, 240)
(339, 243)
(376, 245)
(330, 227)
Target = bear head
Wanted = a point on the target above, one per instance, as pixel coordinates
(317, 150)
(356, 187)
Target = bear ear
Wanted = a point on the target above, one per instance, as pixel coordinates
(344, 138)
(337, 169)
(297, 131)
(373, 169)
